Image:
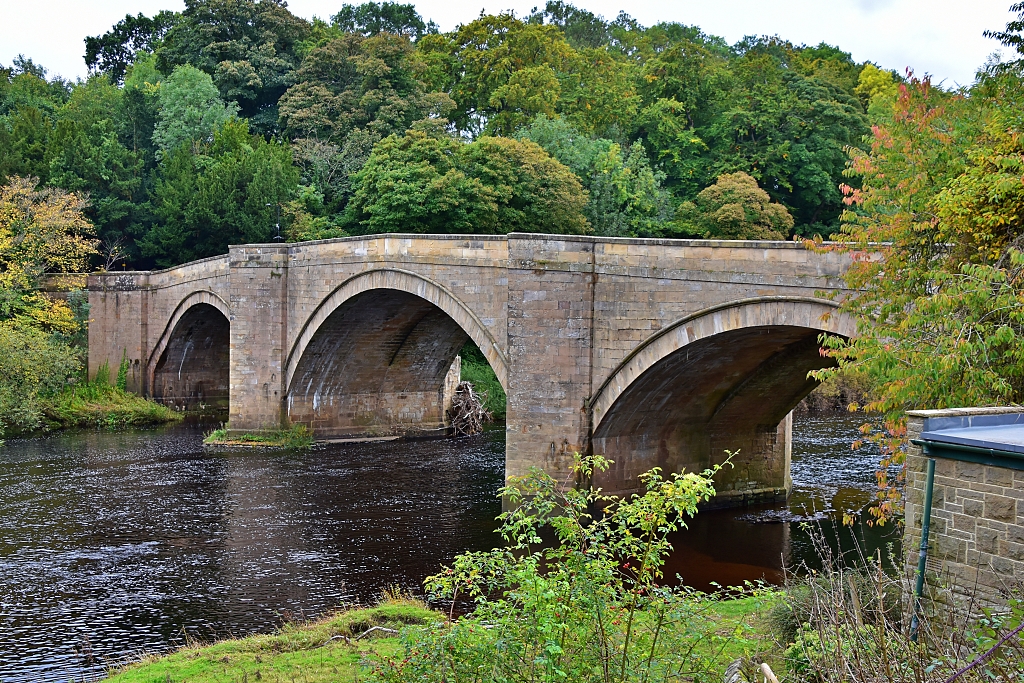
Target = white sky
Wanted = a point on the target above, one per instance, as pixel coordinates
(939, 37)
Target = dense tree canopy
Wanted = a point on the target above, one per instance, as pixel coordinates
(427, 181)
(633, 124)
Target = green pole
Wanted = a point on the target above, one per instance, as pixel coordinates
(926, 522)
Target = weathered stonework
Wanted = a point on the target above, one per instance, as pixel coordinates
(652, 352)
(976, 539)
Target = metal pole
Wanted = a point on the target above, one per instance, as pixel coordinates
(926, 522)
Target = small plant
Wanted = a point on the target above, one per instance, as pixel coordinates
(590, 606)
(122, 372)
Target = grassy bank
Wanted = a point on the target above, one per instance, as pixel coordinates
(98, 404)
(298, 436)
(340, 648)
(329, 649)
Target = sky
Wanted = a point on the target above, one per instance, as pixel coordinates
(942, 38)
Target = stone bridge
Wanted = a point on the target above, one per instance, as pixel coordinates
(651, 352)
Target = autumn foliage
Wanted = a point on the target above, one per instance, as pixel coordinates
(934, 229)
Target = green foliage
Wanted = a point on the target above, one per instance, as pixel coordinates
(936, 242)
(735, 208)
(589, 607)
(427, 181)
(477, 370)
(122, 372)
(372, 18)
(296, 437)
(98, 404)
(248, 47)
(625, 194)
(191, 111)
(220, 196)
(114, 51)
(33, 367)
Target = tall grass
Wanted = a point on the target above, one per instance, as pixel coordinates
(855, 624)
(100, 404)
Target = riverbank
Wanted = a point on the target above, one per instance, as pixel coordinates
(103, 405)
(341, 646)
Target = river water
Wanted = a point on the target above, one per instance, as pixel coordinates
(116, 544)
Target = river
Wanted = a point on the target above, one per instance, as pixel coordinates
(116, 544)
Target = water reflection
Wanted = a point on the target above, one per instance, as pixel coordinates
(729, 547)
(114, 544)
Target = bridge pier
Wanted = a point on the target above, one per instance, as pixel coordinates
(258, 296)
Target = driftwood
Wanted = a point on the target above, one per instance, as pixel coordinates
(467, 413)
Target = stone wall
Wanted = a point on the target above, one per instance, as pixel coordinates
(977, 524)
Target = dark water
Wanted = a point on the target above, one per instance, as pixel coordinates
(117, 544)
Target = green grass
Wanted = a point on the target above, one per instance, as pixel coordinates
(98, 404)
(315, 652)
(298, 436)
(477, 370)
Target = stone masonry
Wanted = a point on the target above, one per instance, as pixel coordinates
(976, 540)
(652, 352)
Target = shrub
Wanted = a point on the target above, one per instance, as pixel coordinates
(33, 366)
(588, 607)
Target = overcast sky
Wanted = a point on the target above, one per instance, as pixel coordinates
(939, 37)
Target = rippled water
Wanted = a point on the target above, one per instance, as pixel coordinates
(117, 544)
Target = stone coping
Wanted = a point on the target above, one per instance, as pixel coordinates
(965, 412)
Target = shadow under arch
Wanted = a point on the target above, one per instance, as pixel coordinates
(376, 357)
(723, 378)
(189, 367)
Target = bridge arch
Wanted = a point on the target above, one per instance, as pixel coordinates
(723, 378)
(190, 363)
(376, 353)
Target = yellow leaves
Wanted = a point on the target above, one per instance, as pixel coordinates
(42, 231)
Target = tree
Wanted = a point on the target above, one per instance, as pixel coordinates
(219, 193)
(936, 240)
(372, 18)
(42, 231)
(625, 194)
(735, 208)
(248, 47)
(114, 51)
(190, 110)
(354, 82)
(85, 155)
(582, 29)
(427, 181)
(500, 71)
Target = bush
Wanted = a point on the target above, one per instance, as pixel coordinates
(588, 607)
(34, 365)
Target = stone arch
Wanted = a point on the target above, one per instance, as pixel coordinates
(724, 378)
(190, 364)
(376, 357)
(411, 283)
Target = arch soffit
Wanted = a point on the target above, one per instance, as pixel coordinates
(815, 314)
(411, 283)
(203, 296)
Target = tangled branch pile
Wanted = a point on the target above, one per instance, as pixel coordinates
(467, 413)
